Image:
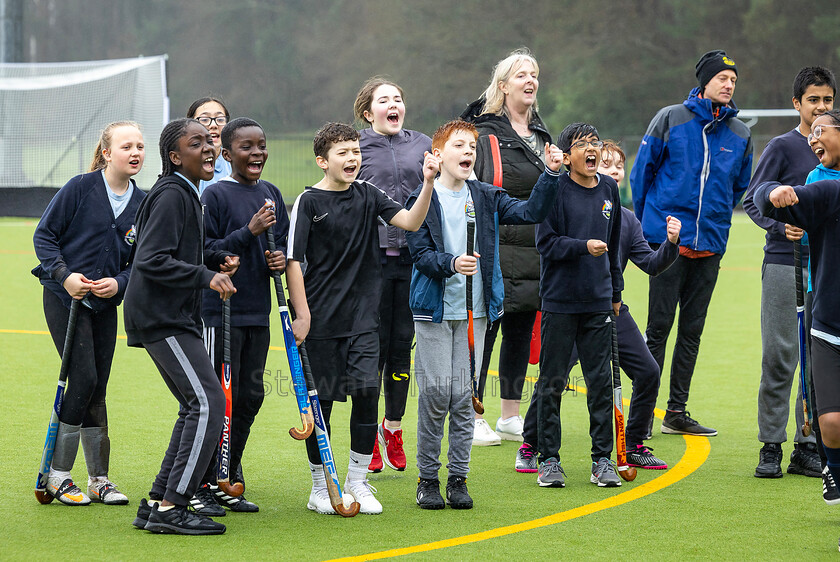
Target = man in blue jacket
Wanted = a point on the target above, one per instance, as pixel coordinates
(694, 163)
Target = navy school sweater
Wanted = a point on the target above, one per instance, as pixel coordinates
(787, 159)
(818, 212)
(572, 280)
(228, 208)
(79, 234)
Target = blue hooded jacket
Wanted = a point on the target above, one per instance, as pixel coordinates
(694, 165)
(433, 265)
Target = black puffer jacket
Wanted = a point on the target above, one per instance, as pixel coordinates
(521, 168)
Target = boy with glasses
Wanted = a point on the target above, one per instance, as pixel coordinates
(580, 287)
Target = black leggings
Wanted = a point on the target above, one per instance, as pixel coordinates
(363, 422)
(514, 353)
(90, 360)
(396, 332)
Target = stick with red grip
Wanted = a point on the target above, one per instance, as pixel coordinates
(223, 457)
(626, 472)
(477, 405)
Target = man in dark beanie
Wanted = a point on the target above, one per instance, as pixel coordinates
(694, 163)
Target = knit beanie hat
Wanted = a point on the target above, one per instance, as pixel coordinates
(710, 64)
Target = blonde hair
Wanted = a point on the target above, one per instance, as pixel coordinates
(99, 162)
(494, 99)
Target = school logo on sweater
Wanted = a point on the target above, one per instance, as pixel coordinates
(606, 210)
(130, 236)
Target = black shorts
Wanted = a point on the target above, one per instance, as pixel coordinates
(344, 366)
(825, 373)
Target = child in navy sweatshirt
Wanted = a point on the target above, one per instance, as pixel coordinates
(580, 286)
(238, 211)
(84, 243)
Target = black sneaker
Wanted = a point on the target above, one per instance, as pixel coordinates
(769, 461)
(204, 502)
(237, 504)
(143, 514)
(181, 521)
(805, 460)
(830, 493)
(456, 493)
(428, 494)
(680, 423)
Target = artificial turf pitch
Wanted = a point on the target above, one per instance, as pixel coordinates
(718, 511)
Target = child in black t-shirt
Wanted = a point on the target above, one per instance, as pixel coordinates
(334, 229)
(580, 286)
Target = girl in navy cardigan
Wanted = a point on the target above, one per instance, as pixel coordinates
(84, 242)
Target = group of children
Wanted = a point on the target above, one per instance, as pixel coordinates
(185, 250)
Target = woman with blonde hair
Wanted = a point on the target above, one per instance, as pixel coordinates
(510, 149)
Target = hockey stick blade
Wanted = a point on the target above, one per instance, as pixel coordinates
(52, 428)
(803, 340)
(324, 448)
(292, 353)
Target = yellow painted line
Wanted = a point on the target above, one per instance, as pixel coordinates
(696, 453)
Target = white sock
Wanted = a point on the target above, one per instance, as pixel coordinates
(92, 479)
(165, 507)
(388, 426)
(319, 480)
(357, 468)
(60, 474)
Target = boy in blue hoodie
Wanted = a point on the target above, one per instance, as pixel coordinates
(438, 298)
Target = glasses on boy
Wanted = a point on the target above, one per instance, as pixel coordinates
(582, 144)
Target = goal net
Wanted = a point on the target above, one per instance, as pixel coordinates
(51, 116)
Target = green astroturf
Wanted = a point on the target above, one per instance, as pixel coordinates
(718, 512)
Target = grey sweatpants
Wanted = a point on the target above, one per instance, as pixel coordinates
(442, 372)
(779, 356)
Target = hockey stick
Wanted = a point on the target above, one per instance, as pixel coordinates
(626, 472)
(223, 456)
(295, 367)
(327, 460)
(803, 342)
(477, 405)
(52, 428)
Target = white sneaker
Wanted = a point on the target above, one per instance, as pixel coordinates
(510, 429)
(65, 491)
(103, 490)
(483, 435)
(363, 492)
(319, 500)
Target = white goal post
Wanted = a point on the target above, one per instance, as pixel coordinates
(51, 116)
